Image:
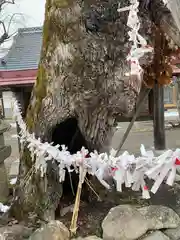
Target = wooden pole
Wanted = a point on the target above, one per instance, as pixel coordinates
(159, 124)
(143, 95)
(2, 104)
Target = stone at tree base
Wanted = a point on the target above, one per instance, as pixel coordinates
(5, 152)
(124, 222)
(159, 217)
(177, 178)
(14, 169)
(54, 230)
(93, 237)
(178, 169)
(15, 232)
(173, 234)
(158, 235)
(4, 191)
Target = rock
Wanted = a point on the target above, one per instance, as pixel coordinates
(178, 169)
(159, 217)
(54, 230)
(4, 191)
(14, 169)
(93, 237)
(124, 223)
(158, 235)
(67, 209)
(177, 178)
(173, 234)
(5, 152)
(15, 232)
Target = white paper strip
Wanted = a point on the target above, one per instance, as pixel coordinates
(125, 169)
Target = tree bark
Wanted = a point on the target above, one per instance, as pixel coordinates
(81, 79)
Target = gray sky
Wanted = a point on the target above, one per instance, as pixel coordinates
(29, 13)
(33, 11)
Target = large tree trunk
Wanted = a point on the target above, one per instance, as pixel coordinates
(81, 89)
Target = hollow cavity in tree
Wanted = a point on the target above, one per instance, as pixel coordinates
(68, 133)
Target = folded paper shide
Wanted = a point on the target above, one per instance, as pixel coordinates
(139, 44)
(124, 169)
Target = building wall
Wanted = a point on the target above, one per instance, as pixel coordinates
(22, 94)
(7, 101)
(171, 93)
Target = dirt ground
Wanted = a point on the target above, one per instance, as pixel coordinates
(144, 135)
(92, 212)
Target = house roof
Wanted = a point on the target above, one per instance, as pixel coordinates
(24, 53)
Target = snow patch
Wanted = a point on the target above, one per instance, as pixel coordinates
(3, 208)
(14, 136)
(171, 114)
(13, 125)
(13, 181)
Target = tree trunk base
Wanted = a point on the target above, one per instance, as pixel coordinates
(39, 198)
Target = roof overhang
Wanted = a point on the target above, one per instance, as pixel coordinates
(17, 78)
(8, 82)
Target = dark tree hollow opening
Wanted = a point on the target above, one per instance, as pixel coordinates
(68, 133)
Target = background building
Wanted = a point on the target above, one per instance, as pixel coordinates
(18, 68)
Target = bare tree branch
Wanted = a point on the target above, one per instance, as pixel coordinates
(11, 19)
(3, 2)
(6, 1)
(5, 34)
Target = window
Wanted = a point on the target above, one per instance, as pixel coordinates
(168, 95)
